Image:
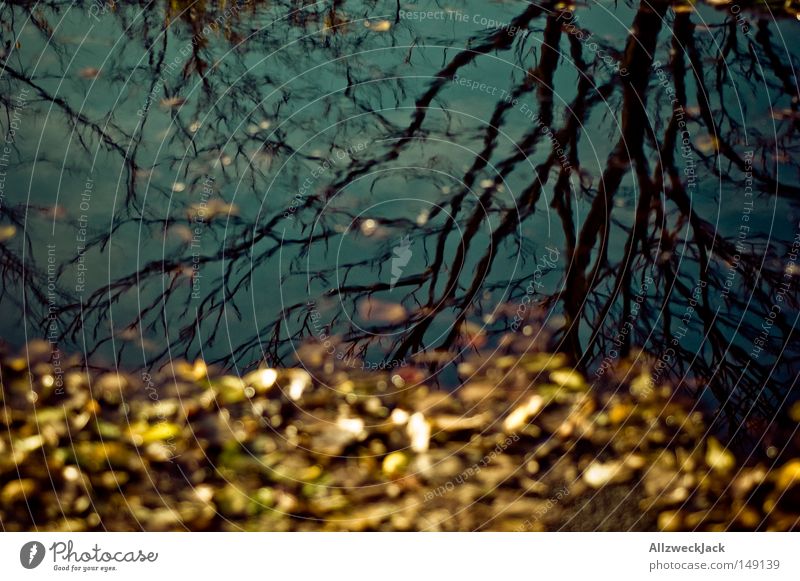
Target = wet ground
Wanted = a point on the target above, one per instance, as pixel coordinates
(523, 445)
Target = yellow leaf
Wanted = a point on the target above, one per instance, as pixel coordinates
(518, 418)
(395, 464)
(161, 431)
(381, 26)
(788, 475)
(7, 232)
(794, 412)
(568, 378)
(718, 457)
(261, 379)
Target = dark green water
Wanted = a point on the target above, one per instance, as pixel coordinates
(387, 184)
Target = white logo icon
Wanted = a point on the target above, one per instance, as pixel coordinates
(402, 256)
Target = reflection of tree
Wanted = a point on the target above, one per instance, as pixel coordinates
(672, 234)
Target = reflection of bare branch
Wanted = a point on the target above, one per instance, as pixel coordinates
(262, 126)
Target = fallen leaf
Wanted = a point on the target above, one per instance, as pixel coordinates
(374, 310)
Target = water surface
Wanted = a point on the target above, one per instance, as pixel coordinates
(384, 185)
